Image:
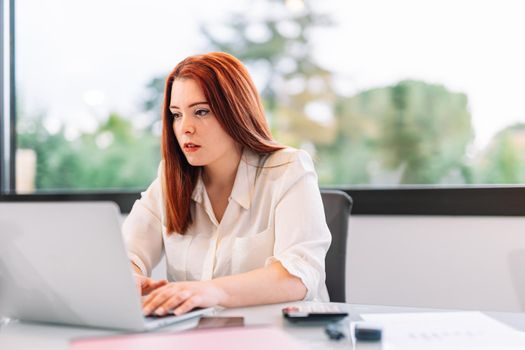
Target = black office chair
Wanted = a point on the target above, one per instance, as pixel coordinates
(337, 207)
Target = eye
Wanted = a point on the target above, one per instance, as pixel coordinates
(176, 115)
(201, 112)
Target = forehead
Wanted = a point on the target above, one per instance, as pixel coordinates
(185, 91)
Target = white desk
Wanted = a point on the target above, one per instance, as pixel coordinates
(26, 336)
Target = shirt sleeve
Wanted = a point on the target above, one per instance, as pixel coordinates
(302, 237)
(142, 229)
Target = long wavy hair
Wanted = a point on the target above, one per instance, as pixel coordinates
(234, 100)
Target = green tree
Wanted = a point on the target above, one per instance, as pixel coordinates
(426, 131)
(57, 165)
(416, 130)
(114, 156)
(503, 162)
(153, 102)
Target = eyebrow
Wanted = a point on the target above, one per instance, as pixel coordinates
(193, 104)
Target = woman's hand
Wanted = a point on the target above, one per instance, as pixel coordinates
(182, 297)
(146, 285)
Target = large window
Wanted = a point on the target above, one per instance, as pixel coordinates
(381, 93)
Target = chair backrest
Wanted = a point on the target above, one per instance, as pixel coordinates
(337, 208)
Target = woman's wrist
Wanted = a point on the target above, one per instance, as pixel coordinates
(222, 296)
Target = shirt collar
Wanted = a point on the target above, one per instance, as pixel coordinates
(198, 190)
(244, 180)
(244, 184)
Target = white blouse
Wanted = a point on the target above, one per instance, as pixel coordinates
(275, 213)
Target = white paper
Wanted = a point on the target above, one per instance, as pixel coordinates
(445, 330)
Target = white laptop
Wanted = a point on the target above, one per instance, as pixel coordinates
(65, 262)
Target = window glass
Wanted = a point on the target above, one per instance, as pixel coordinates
(380, 93)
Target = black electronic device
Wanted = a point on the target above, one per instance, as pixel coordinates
(367, 332)
(313, 313)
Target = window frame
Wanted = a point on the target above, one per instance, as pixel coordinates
(418, 201)
(503, 200)
(2, 79)
(7, 154)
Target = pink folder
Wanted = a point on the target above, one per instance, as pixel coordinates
(225, 338)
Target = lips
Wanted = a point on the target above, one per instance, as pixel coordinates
(191, 147)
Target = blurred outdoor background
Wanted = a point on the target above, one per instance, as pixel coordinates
(380, 93)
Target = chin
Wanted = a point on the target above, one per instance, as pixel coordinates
(195, 162)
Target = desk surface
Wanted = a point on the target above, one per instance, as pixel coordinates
(17, 335)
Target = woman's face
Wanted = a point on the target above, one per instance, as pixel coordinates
(199, 134)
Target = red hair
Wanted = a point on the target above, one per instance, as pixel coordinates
(234, 101)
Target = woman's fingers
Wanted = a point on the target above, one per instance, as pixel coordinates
(157, 298)
(171, 303)
(151, 285)
(180, 297)
(190, 303)
(146, 285)
(156, 284)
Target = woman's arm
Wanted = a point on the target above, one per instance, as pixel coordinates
(142, 230)
(267, 285)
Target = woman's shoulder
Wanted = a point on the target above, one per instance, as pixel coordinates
(287, 164)
(290, 157)
(284, 169)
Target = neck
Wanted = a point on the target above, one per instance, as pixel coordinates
(222, 172)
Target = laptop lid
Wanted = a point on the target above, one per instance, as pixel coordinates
(65, 262)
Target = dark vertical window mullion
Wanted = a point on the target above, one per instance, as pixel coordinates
(2, 134)
(12, 99)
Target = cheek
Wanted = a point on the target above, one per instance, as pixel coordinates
(175, 130)
(226, 139)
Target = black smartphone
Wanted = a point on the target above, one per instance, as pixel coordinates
(309, 313)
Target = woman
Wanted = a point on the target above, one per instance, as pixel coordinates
(238, 217)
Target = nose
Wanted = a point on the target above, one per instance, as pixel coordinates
(187, 126)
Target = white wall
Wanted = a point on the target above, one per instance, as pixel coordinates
(473, 263)
(447, 262)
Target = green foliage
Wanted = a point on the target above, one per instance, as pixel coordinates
(504, 158)
(409, 133)
(153, 102)
(426, 131)
(115, 156)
